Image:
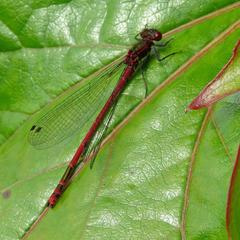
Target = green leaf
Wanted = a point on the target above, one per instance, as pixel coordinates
(224, 84)
(233, 202)
(161, 174)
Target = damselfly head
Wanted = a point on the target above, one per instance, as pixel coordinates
(151, 34)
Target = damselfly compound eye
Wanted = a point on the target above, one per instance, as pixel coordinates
(157, 36)
(151, 34)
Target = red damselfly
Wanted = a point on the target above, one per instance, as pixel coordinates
(77, 108)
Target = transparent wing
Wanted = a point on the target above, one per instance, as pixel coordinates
(95, 144)
(74, 111)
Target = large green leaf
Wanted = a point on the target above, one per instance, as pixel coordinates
(233, 202)
(162, 174)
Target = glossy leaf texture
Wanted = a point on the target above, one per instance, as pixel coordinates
(224, 84)
(233, 202)
(162, 173)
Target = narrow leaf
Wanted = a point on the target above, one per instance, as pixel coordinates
(224, 84)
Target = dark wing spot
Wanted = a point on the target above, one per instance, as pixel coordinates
(38, 129)
(33, 127)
